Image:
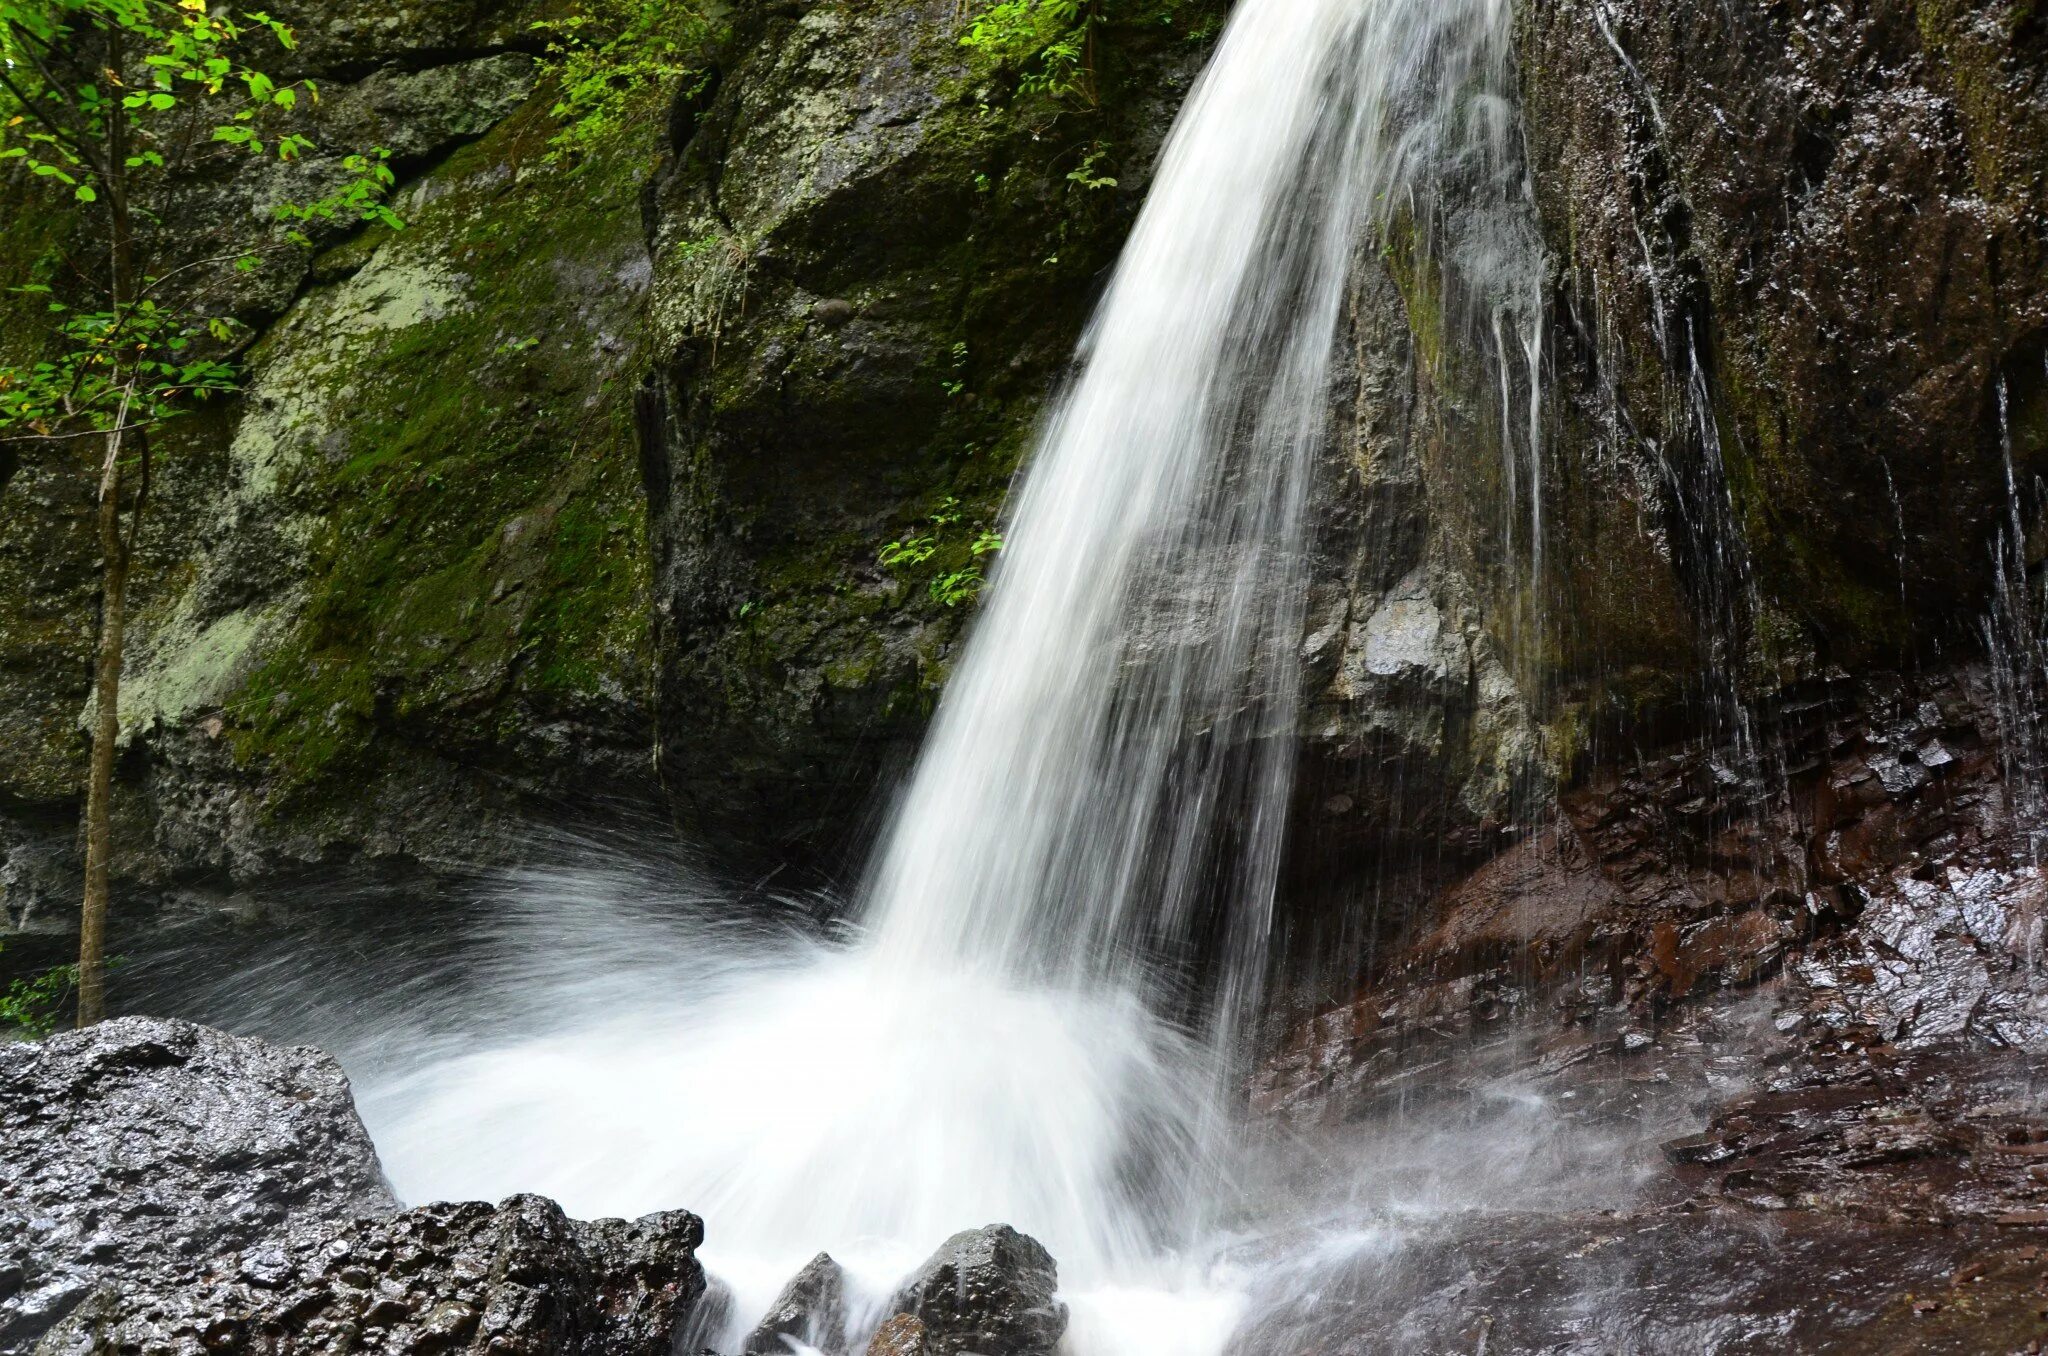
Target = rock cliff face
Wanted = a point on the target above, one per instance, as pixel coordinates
(1826, 225)
(873, 254)
(1793, 371)
(399, 580)
(581, 484)
(578, 485)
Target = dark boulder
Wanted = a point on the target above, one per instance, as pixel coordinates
(141, 1148)
(518, 1279)
(811, 1308)
(170, 1188)
(986, 1291)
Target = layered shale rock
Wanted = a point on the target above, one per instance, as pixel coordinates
(1799, 1000)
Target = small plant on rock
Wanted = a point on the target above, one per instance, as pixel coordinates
(34, 1006)
(610, 52)
(950, 587)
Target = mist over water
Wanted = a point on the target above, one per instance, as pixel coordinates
(623, 1039)
(799, 1093)
(1010, 1030)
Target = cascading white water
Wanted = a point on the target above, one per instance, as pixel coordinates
(1103, 795)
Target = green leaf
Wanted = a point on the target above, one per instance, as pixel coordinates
(84, 193)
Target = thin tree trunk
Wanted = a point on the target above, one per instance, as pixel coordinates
(114, 561)
(106, 730)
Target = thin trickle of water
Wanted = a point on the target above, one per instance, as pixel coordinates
(1606, 23)
(1900, 542)
(2016, 649)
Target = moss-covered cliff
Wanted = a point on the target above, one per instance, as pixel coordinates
(874, 250)
(401, 579)
(620, 424)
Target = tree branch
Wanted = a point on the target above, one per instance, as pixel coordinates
(141, 491)
(79, 148)
(141, 426)
(150, 286)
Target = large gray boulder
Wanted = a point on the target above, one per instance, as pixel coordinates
(167, 1188)
(142, 1149)
(989, 1292)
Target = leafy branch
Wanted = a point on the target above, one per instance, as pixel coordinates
(605, 56)
(93, 96)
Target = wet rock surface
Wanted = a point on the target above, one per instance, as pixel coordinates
(1801, 1005)
(1721, 1180)
(517, 1278)
(1656, 1282)
(811, 1309)
(985, 1291)
(901, 1335)
(144, 1149)
(1824, 222)
(170, 1188)
(1873, 865)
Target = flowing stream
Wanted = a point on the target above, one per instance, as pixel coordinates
(1041, 1015)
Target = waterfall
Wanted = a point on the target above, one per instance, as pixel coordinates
(1107, 780)
(1089, 848)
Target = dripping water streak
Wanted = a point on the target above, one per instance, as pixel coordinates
(2017, 651)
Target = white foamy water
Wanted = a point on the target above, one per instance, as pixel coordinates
(807, 1098)
(1100, 803)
